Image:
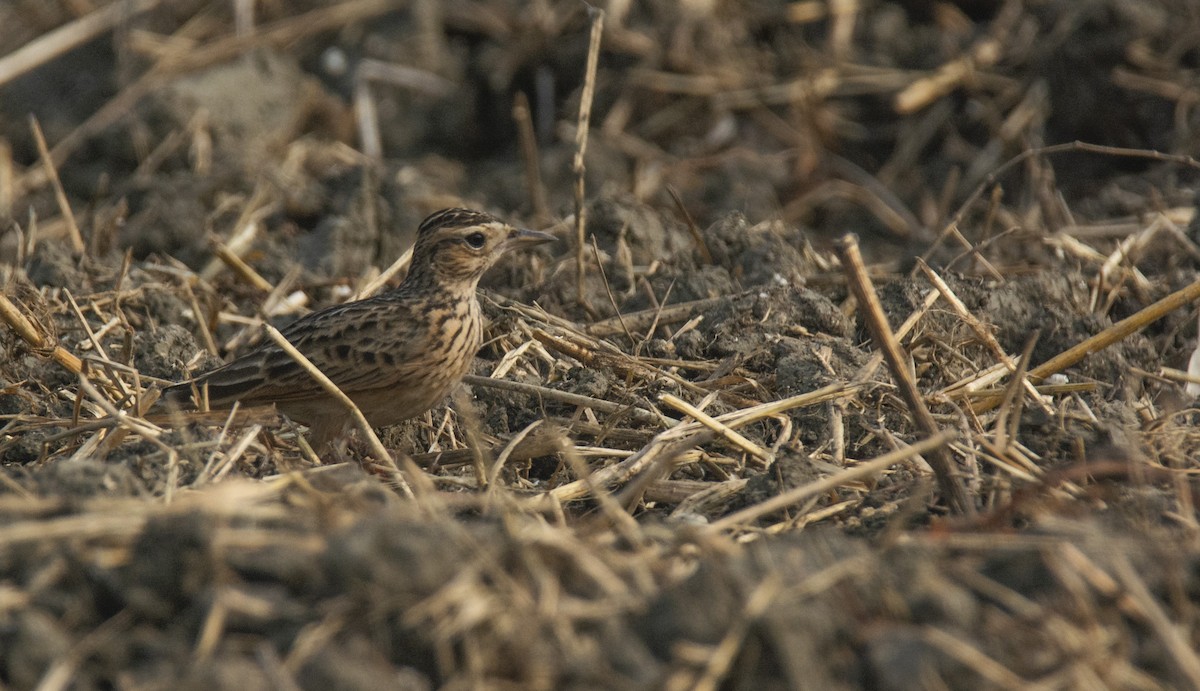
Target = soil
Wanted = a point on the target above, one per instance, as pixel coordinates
(570, 529)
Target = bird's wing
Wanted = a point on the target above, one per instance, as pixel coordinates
(368, 344)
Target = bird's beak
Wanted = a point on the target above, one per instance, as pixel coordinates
(518, 237)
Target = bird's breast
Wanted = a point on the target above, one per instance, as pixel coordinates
(456, 334)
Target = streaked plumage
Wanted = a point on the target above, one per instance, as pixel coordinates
(396, 354)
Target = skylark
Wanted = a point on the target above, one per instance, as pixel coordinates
(395, 355)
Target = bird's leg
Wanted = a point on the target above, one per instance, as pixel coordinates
(328, 437)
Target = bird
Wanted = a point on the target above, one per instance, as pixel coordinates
(396, 355)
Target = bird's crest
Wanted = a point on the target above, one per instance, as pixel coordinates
(454, 218)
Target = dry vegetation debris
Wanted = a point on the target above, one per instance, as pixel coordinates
(708, 446)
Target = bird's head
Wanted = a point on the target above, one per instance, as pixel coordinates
(456, 246)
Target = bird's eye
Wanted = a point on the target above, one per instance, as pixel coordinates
(476, 240)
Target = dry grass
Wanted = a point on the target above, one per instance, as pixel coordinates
(732, 487)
